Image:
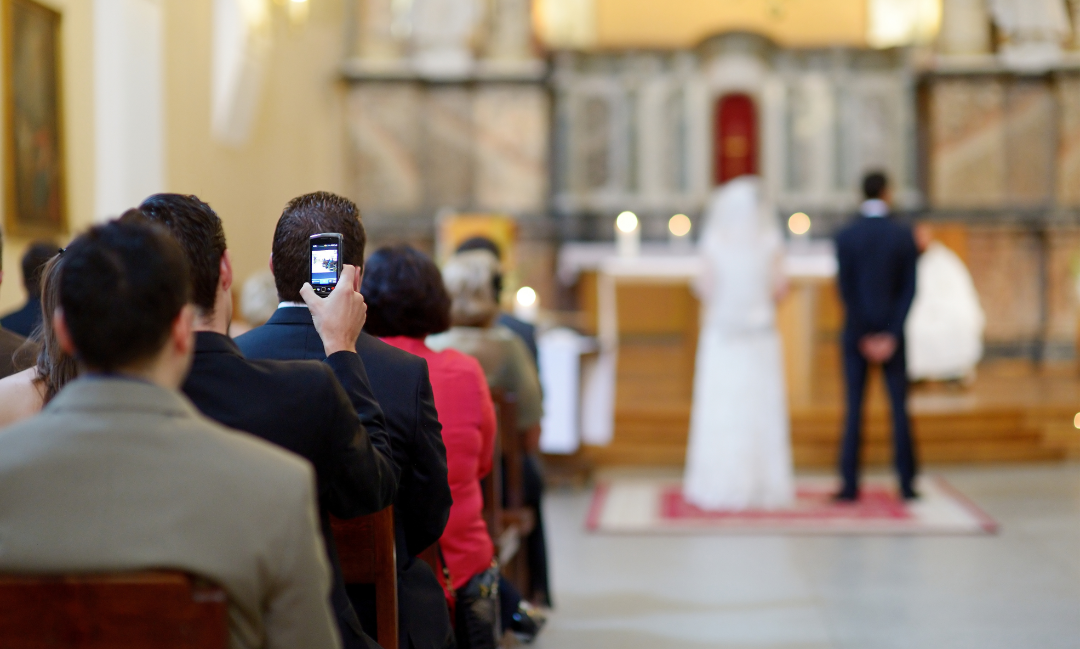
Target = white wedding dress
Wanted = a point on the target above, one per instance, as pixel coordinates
(739, 455)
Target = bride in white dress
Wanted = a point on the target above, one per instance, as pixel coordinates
(739, 455)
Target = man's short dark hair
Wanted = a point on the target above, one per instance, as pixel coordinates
(874, 185)
(302, 217)
(405, 294)
(480, 243)
(201, 236)
(121, 287)
(34, 259)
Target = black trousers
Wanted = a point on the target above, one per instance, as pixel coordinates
(855, 371)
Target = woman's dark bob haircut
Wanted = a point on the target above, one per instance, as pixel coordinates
(405, 294)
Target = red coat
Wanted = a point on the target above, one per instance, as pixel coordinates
(467, 416)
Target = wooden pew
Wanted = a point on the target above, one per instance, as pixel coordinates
(368, 555)
(515, 521)
(137, 610)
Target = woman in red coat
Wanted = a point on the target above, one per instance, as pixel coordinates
(407, 302)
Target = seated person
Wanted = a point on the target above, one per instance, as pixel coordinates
(524, 330)
(409, 302)
(401, 386)
(120, 472)
(25, 393)
(943, 332)
(469, 277)
(298, 405)
(28, 317)
(15, 353)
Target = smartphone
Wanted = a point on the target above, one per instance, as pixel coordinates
(325, 262)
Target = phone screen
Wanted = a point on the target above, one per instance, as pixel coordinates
(325, 263)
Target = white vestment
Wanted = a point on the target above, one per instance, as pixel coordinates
(944, 328)
(739, 454)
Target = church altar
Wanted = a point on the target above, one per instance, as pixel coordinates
(645, 318)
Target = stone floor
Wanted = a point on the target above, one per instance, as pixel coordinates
(1018, 589)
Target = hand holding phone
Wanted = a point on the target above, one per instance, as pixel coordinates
(339, 318)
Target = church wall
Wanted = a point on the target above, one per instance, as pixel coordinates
(677, 24)
(1004, 157)
(296, 143)
(1023, 293)
(77, 60)
(417, 148)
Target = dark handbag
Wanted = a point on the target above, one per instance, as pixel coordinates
(477, 612)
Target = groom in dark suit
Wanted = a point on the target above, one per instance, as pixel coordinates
(877, 283)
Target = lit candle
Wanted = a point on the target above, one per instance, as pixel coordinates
(799, 224)
(679, 228)
(628, 235)
(526, 304)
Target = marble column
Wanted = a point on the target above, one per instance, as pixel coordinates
(1068, 149)
(449, 145)
(384, 122)
(967, 143)
(1030, 141)
(1004, 263)
(510, 35)
(965, 28)
(376, 40)
(512, 132)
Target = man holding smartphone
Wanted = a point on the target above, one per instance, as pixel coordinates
(401, 385)
(324, 412)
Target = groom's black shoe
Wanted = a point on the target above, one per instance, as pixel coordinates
(908, 494)
(845, 496)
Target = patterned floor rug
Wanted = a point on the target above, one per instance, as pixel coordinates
(656, 506)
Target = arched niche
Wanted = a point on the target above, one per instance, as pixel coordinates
(737, 69)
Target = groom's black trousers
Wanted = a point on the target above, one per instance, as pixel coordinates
(855, 371)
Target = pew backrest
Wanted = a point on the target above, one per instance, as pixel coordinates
(136, 610)
(367, 553)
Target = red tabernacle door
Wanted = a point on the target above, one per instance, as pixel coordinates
(736, 145)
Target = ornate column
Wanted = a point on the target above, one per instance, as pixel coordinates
(510, 35)
(376, 38)
(965, 28)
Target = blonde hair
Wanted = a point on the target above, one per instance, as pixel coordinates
(469, 278)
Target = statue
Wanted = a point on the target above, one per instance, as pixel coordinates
(1033, 31)
(442, 31)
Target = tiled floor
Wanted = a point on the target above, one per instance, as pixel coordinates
(1018, 589)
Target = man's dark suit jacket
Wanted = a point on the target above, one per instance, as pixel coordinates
(877, 276)
(10, 343)
(311, 410)
(25, 319)
(402, 387)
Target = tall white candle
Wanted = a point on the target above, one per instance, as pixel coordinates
(628, 235)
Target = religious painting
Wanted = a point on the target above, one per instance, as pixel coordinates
(736, 143)
(501, 229)
(34, 154)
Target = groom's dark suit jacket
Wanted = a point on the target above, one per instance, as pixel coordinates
(402, 387)
(877, 275)
(310, 409)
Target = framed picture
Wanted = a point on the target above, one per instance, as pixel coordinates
(35, 200)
